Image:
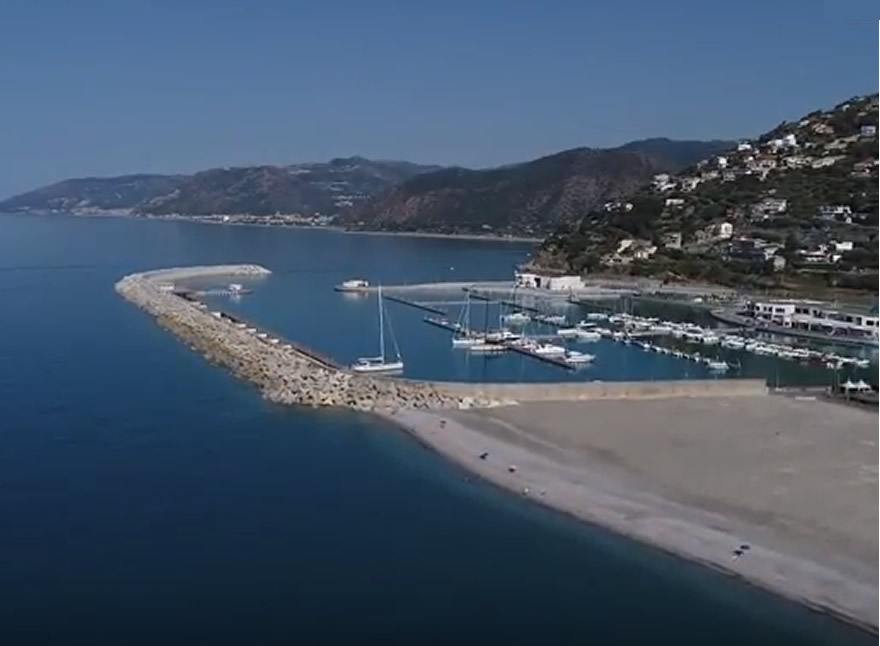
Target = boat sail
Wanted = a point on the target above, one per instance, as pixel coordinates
(464, 338)
(380, 363)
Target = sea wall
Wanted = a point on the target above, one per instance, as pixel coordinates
(287, 374)
(578, 391)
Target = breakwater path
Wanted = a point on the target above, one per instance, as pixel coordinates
(287, 373)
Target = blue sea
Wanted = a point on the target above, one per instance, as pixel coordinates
(148, 497)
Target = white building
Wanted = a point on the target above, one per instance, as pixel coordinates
(845, 245)
(689, 183)
(674, 201)
(721, 161)
(552, 283)
(743, 147)
(789, 141)
(625, 244)
(724, 230)
(818, 317)
(868, 131)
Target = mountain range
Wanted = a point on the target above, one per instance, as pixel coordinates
(304, 189)
(530, 197)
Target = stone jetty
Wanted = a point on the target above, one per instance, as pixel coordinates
(282, 372)
(287, 374)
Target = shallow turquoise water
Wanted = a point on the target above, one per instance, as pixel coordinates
(148, 497)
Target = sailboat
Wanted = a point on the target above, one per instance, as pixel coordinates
(464, 338)
(380, 363)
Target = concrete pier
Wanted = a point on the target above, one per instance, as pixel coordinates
(290, 374)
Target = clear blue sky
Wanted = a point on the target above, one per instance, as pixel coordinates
(107, 87)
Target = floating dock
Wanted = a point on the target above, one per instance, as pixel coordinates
(513, 304)
(442, 323)
(419, 306)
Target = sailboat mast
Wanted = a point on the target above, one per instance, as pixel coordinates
(381, 327)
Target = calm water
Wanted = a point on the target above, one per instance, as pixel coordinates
(148, 497)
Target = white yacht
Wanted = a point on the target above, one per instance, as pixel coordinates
(548, 350)
(381, 362)
(517, 318)
(575, 357)
(502, 336)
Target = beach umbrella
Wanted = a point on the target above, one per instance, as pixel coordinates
(848, 385)
(861, 384)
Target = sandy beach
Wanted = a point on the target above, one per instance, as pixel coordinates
(790, 482)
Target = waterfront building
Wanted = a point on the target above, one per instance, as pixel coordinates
(553, 283)
(816, 316)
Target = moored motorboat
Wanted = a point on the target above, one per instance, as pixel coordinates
(575, 357)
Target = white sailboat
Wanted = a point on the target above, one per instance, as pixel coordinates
(380, 363)
(464, 338)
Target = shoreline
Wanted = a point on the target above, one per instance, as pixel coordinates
(615, 503)
(329, 227)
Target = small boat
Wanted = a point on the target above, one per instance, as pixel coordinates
(596, 316)
(381, 362)
(554, 319)
(502, 336)
(517, 318)
(717, 366)
(588, 335)
(568, 332)
(466, 341)
(574, 357)
(548, 350)
(354, 285)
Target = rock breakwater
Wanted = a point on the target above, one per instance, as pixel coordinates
(288, 374)
(283, 373)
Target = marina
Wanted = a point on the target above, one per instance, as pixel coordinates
(286, 375)
(718, 348)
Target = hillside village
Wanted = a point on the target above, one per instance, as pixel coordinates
(801, 199)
